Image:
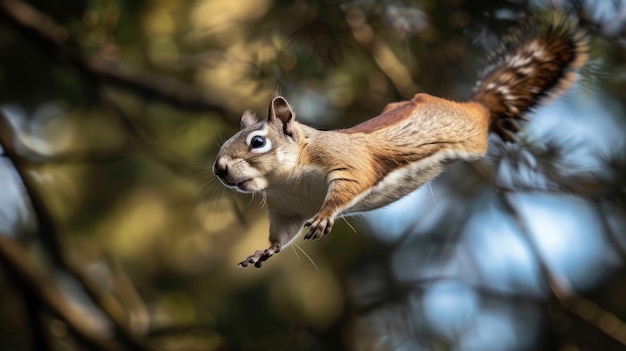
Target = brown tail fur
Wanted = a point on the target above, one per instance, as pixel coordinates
(534, 64)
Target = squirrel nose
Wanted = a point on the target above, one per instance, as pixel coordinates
(220, 168)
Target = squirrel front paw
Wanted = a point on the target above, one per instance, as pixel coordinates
(259, 256)
(319, 227)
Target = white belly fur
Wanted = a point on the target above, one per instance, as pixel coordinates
(403, 181)
(306, 194)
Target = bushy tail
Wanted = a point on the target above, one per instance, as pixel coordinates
(538, 62)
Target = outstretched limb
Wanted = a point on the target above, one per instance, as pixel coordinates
(341, 193)
(260, 256)
(319, 226)
(283, 229)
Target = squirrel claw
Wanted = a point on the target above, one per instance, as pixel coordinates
(260, 256)
(319, 227)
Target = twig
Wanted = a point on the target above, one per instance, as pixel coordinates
(608, 231)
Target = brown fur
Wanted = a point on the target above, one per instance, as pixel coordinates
(392, 114)
(310, 177)
(535, 63)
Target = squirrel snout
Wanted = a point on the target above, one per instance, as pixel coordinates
(220, 168)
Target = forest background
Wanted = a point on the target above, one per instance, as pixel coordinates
(114, 234)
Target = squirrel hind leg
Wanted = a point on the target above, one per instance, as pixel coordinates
(283, 230)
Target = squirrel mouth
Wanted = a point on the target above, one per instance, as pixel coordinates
(243, 185)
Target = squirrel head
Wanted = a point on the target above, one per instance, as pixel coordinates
(262, 152)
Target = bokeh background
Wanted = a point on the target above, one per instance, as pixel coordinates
(115, 236)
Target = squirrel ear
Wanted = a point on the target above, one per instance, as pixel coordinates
(247, 119)
(281, 115)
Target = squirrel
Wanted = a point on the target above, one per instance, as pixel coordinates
(311, 177)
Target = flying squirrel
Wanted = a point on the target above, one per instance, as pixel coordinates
(311, 177)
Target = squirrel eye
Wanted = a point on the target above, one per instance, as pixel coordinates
(257, 142)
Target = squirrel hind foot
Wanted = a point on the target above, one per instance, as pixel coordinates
(260, 256)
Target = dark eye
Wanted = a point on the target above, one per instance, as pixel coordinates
(257, 142)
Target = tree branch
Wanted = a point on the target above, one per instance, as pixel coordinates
(612, 237)
(562, 292)
(23, 272)
(51, 239)
(53, 39)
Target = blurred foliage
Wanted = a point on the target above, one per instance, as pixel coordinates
(115, 109)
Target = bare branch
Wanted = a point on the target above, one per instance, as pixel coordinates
(22, 271)
(34, 311)
(51, 238)
(53, 40)
(562, 292)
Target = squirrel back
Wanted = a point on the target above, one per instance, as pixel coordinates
(535, 63)
(311, 177)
